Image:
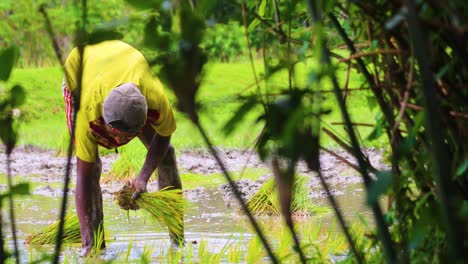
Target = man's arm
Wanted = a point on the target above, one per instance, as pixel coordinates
(157, 146)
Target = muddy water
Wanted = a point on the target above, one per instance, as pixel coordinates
(207, 219)
(212, 217)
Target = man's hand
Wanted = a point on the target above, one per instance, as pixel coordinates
(140, 187)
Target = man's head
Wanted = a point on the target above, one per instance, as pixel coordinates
(125, 108)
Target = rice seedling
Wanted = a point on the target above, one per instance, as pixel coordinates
(98, 243)
(147, 253)
(176, 255)
(265, 200)
(255, 251)
(71, 232)
(165, 206)
(235, 253)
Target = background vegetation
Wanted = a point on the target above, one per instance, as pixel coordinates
(406, 59)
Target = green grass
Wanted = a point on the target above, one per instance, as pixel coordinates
(42, 117)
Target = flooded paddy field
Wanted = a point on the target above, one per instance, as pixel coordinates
(212, 220)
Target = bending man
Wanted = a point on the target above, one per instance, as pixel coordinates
(120, 99)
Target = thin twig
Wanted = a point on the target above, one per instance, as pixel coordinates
(3, 254)
(340, 142)
(372, 53)
(12, 212)
(50, 31)
(404, 102)
(285, 185)
(452, 113)
(274, 29)
(252, 64)
(340, 158)
(346, 83)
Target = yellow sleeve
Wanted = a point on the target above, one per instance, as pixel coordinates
(71, 69)
(166, 124)
(86, 147)
(157, 100)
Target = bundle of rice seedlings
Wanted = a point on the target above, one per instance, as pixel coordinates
(266, 200)
(165, 206)
(71, 232)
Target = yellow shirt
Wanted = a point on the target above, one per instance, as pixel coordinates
(105, 66)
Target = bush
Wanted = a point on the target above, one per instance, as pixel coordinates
(225, 41)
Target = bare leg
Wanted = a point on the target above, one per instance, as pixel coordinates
(168, 176)
(89, 208)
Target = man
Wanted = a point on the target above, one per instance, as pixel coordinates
(120, 100)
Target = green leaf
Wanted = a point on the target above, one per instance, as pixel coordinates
(17, 189)
(143, 4)
(442, 72)
(103, 35)
(150, 33)
(379, 187)
(371, 102)
(205, 7)
(20, 189)
(261, 8)
(7, 135)
(417, 235)
(464, 210)
(18, 96)
(8, 58)
(261, 12)
(239, 115)
(379, 128)
(192, 26)
(461, 170)
(421, 203)
(4, 124)
(253, 24)
(376, 133)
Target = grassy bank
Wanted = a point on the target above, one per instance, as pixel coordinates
(43, 119)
